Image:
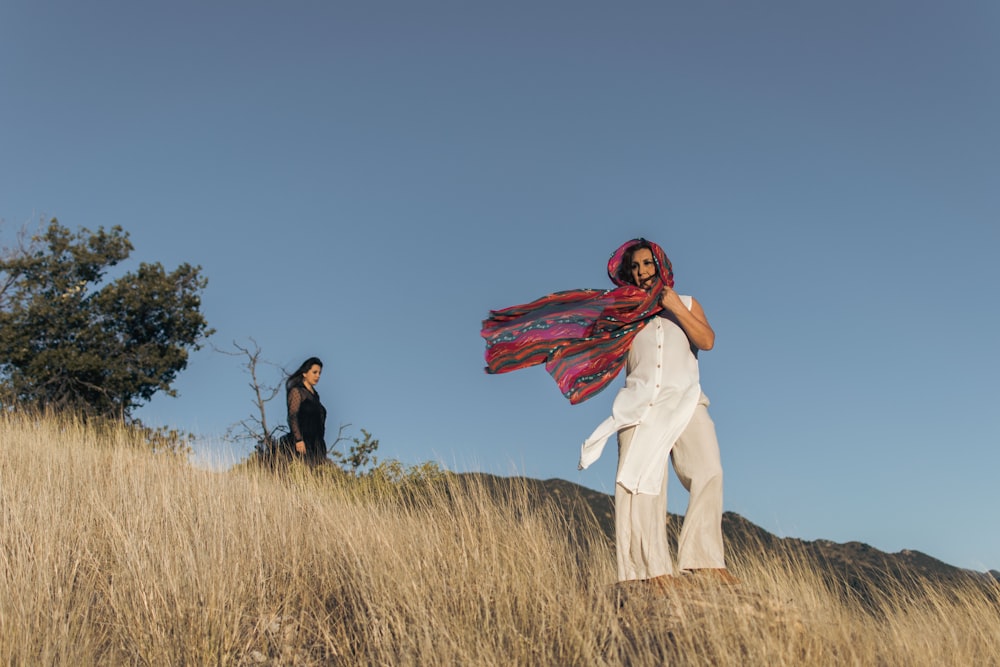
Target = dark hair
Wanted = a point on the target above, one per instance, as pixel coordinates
(296, 377)
(625, 268)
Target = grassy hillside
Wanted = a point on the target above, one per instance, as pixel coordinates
(110, 554)
(855, 569)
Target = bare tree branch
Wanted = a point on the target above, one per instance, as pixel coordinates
(255, 428)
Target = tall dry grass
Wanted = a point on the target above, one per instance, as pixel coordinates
(110, 554)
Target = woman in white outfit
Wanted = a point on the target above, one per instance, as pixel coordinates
(660, 414)
(584, 337)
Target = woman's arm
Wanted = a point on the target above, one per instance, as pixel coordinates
(294, 403)
(693, 322)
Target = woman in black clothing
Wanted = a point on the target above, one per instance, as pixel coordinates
(306, 415)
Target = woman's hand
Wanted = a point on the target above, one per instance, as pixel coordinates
(300, 447)
(671, 302)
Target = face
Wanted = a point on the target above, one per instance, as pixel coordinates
(311, 376)
(643, 268)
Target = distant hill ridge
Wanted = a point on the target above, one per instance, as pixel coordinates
(853, 566)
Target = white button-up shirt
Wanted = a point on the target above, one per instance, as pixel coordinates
(661, 391)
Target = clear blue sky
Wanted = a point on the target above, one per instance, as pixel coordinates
(363, 181)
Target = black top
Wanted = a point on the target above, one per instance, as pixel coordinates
(307, 420)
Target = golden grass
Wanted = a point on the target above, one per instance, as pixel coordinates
(110, 554)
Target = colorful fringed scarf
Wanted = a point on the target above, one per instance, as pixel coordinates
(582, 336)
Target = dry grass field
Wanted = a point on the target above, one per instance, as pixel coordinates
(112, 554)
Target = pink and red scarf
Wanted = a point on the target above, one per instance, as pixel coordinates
(582, 336)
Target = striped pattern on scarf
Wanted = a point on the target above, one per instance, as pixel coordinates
(582, 336)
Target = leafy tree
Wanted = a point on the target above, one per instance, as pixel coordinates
(71, 341)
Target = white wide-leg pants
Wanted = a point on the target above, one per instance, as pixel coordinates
(640, 519)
